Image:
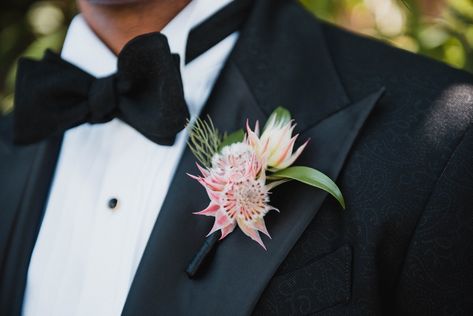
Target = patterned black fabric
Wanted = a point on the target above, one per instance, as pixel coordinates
(322, 283)
(408, 182)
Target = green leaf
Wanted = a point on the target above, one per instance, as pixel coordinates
(235, 137)
(313, 178)
(280, 114)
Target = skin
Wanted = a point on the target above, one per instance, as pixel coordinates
(116, 22)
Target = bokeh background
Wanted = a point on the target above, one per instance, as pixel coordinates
(441, 29)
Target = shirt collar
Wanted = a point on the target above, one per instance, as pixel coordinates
(83, 48)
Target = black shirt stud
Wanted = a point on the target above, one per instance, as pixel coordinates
(112, 203)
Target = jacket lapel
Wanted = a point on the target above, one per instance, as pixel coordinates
(161, 285)
(26, 174)
(275, 62)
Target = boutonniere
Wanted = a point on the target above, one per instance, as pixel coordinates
(239, 170)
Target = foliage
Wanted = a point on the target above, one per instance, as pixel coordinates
(441, 29)
(204, 140)
(27, 28)
(313, 178)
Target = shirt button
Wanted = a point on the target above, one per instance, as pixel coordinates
(112, 203)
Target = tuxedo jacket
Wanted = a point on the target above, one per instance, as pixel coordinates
(392, 128)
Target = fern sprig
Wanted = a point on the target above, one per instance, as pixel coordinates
(204, 140)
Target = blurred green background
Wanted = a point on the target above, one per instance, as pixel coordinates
(442, 29)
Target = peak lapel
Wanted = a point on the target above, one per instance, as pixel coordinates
(284, 58)
(240, 270)
(280, 59)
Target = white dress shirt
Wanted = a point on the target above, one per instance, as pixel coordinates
(87, 253)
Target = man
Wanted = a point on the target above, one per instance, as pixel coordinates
(96, 219)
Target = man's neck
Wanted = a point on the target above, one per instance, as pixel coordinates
(115, 25)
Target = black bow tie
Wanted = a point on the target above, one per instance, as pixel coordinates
(146, 92)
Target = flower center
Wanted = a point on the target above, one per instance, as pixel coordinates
(246, 199)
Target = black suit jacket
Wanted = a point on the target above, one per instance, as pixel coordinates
(393, 128)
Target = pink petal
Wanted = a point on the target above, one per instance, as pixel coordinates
(261, 226)
(211, 185)
(211, 210)
(214, 196)
(194, 177)
(252, 137)
(256, 131)
(287, 151)
(221, 221)
(204, 172)
(250, 232)
(294, 156)
(227, 230)
(286, 131)
(265, 146)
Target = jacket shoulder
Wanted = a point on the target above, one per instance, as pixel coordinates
(372, 55)
(434, 92)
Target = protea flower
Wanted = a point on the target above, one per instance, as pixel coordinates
(239, 195)
(236, 176)
(276, 143)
